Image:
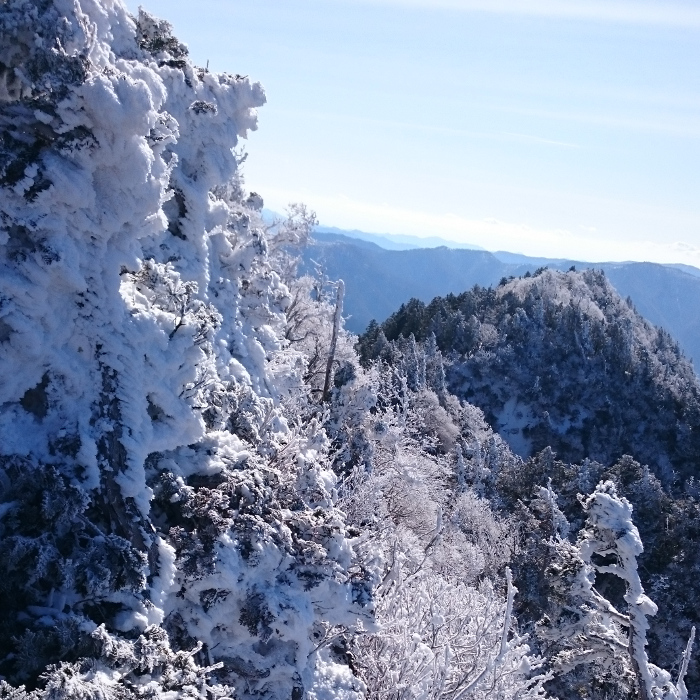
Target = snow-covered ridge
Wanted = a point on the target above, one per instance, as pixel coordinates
(559, 359)
(557, 289)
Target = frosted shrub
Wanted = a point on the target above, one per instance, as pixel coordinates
(445, 640)
(494, 536)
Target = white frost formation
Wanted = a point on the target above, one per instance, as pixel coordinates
(141, 330)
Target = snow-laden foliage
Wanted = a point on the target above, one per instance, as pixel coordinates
(163, 521)
(446, 640)
(589, 628)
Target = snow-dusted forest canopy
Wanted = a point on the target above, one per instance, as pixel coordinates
(204, 493)
(380, 278)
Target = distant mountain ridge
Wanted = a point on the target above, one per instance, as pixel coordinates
(397, 242)
(686, 268)
(378, 280)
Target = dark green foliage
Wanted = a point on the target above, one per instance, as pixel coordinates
(58, 569)
(156, 36)
(35, 81)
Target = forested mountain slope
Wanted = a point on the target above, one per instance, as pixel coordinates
(574, 379)
(561, 360)
(380, 280)
(667, 298)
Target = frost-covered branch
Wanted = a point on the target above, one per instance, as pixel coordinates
(598, 632)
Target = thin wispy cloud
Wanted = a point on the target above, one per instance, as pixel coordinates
(688, 129)
(434, 128)
(672, 14)
(527, 138)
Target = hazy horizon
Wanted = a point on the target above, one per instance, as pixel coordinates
(555, 128)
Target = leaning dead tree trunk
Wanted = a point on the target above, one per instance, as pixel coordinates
(334, 338)
(680, 685)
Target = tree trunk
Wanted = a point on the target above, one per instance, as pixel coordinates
(334, 338)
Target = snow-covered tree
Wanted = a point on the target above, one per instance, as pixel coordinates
(597, 629)
(168, 530)
(445, 640)
(446, 629)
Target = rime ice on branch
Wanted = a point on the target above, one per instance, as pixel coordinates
(598, 632)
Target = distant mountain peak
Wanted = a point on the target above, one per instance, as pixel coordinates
(560, 359)
(379, 280)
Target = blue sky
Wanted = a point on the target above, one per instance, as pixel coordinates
(563, 128)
